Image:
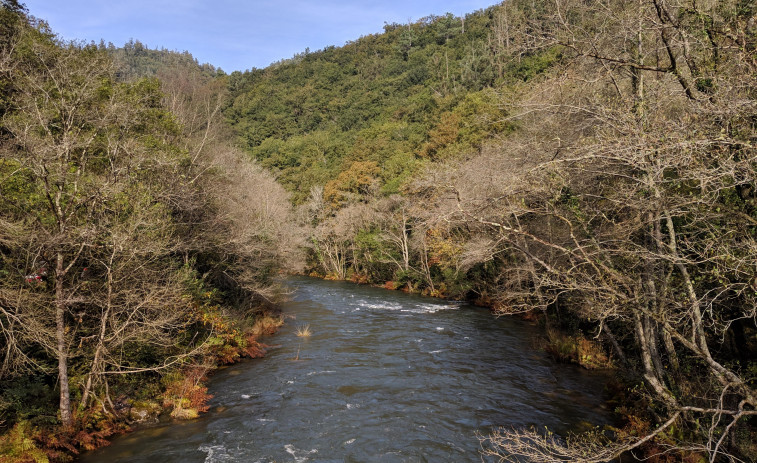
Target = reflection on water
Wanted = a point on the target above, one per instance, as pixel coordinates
(385, 377)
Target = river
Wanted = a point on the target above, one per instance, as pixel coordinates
(384, 377)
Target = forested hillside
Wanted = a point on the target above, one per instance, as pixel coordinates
(137, 247)
(589, 162)
(377, 105)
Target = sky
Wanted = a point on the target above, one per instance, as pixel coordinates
(236, 35)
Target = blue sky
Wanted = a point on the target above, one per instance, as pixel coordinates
(236, 34)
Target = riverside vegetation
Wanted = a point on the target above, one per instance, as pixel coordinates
(591, 164)
(133, 258)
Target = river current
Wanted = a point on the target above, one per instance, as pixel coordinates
(384, 377)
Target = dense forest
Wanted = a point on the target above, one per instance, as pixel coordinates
(590, 165)
(133, 258)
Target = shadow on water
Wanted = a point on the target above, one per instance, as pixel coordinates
(384, 377)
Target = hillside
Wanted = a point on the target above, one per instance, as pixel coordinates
(417, 92)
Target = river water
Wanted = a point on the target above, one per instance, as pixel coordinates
(384, 377)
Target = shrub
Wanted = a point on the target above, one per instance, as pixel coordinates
(576, 349)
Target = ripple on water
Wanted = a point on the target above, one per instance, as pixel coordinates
(215, 453)
(393, 378)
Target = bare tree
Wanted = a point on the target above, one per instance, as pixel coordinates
(396, 230)
(637, 215)
(245, 215)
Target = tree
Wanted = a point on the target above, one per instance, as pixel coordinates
(82, 173)
(245, 214)
(351, 184)
(445, 133)
(396, 229)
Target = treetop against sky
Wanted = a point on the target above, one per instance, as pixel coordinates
(236, 34)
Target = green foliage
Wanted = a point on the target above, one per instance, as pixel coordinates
(532, 65)
(303, 161)
(456, 284)
(27, 398)
(371, 248)
(408, 278)
(19, 445)
(418, 90)
(397, 170)
(136, 60)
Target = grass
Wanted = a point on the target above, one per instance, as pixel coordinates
(303, 331)
(266, 325)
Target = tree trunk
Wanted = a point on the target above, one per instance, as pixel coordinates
(101, 338)
(618, 350)
(426, 266)
(697, 329)
(670, 350)
(405, 245)
(646, 359)
(62, 350)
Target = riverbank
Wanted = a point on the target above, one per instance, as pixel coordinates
(182, 394)
(564, 345)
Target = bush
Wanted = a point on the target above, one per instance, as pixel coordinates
(576, 349)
